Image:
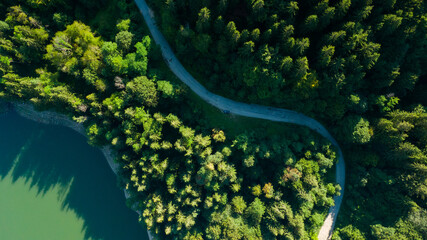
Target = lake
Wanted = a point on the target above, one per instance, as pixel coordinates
(54, 186)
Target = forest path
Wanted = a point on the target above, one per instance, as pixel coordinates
(248, 110)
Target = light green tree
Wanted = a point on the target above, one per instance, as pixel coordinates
(74, 49)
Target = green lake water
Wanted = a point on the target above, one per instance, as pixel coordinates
(54, 186)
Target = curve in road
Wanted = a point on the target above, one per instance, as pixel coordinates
(248, 110)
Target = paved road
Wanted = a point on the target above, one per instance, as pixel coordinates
(248, 110)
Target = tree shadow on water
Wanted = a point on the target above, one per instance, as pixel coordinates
(49, 156)
(14, 137)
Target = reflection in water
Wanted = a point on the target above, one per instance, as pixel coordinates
(58, 187)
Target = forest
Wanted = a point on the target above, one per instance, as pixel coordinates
(358, 66)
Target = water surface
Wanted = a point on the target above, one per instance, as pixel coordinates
(54, 186)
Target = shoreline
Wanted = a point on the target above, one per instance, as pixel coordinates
(27, 111)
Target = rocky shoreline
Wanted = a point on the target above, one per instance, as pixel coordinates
(49, 117)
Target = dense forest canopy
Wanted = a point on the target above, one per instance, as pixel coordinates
(325, 58)
(188, 184)
(359, 66)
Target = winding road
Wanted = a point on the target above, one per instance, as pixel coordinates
(249, 110)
